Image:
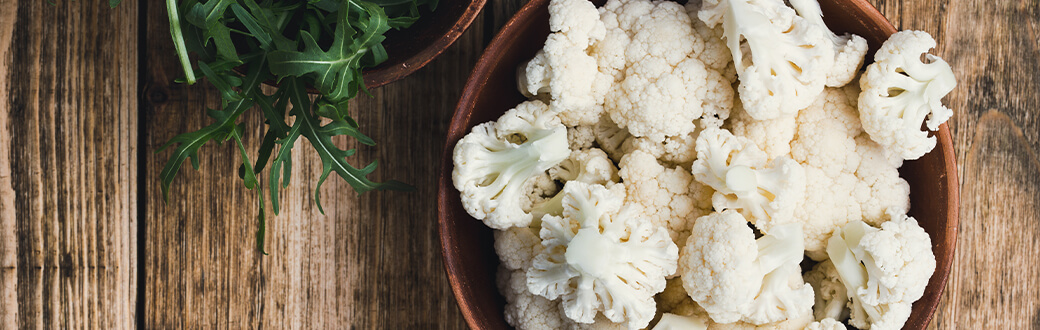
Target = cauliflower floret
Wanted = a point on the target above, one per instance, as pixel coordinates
(849, 49)
(614, 140)
(657, 100)
(517, 246)
(667, 197)
(589, 166)
(581, 137)
(734, 277)
(598, 258)
(826, 324)
(880, 188)
(825, 145)
(715, 54)
(564, 69)
(847, 177)
(772, 136)
(675, 150)
(831, 294)
(496, 159)
(738, 172)
(781, 59)
(660, 87)
(899, 91)
(674, 300)
(885, 270)
(525, 310)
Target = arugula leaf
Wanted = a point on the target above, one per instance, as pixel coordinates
(332, 157)
(336, 72)
(323, 44)
(208, 15)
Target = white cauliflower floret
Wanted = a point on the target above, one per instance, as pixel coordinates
(735, 277)
(885, 270)
(678, 150)
(599, 259)
(611, 138)
(825, 145)
(539, 192)
(517, 246)
(496, 159)
(899, 91)
(714, 54)
(667, 197)
(781, 59)
(826, 324)
(738, 172)
(588, 166)
(657, 100)
(674, 300)
(563, 69)
(772, 136)
(847, 177)
(661, 87)
(880, 188)
(581, 137)
(525, 310)
(831, 294)
(849, 49)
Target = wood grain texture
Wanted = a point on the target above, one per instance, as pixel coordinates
(68, 123)
(993, 48)
(69, 183)
(370, 262)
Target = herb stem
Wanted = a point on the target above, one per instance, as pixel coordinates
(178, 41)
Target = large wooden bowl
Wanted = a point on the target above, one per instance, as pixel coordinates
(469, 255)
(411, 48)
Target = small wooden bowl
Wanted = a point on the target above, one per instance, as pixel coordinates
(410, 49)
(469, 256)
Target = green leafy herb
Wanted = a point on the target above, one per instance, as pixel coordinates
(324, 44)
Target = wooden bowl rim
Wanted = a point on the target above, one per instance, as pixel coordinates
(385, 74)
(492, 54)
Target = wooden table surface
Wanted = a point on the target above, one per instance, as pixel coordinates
(86, 242)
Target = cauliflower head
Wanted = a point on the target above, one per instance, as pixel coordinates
(563, 71)
(847, 177)
(831, 294)
(661, 87)
(517, 246)
(657, 100)
(598, 258)
(737, 278)
(665, 196)
(884, 269)
(900, 91)
(849, 49)
(772, 136)
(525, 310)
(737, 170)
(589, 166)
(496, 159)
(781, 59)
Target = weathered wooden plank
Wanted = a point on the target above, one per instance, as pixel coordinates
(370, 262)
(201, 265)
(996, 132)
(68, 125)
